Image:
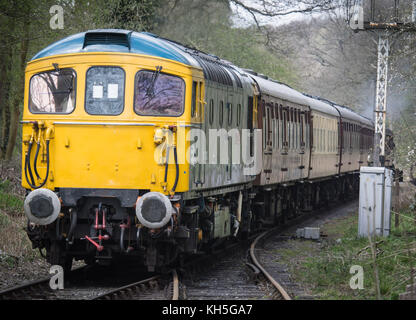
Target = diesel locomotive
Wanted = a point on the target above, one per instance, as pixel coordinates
(137, 147)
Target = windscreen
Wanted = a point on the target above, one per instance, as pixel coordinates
(52, 92)
(104, 90)
(158, 94)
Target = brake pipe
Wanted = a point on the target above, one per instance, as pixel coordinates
(175, 155)
(123, 228)
(37, 154)
(47, 166)
(27, 166)
(96, 218)
(177, 170)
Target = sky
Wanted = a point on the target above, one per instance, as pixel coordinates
(242, 18)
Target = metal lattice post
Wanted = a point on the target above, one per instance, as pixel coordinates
(381, 98)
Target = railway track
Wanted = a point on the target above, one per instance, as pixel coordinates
(250, 271)
(147, 289)
(37, 289)
(86, 284)
(280, 290)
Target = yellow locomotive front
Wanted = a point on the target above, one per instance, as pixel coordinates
(105, 118)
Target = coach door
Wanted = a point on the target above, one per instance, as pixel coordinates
(302, 150)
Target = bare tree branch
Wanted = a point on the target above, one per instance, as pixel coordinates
(283, 8)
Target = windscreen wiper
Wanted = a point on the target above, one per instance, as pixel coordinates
(68, 82)
(150, 90)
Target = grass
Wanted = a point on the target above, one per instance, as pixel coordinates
(325, 268)
(14, 242)
(9, 201)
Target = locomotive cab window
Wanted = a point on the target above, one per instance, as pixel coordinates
(158, 94)
(104, 93)
(52, 92)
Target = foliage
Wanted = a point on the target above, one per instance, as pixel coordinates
(131, 14)
(25, 28)
(212, 32)
(327, 274)
(8, 200)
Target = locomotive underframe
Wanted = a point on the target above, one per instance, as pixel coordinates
(201, 224)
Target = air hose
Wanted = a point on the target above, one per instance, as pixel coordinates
(167, 164)
(177, 169)
(28, 167)
(36, 160)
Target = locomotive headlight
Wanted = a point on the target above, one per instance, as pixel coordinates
(42, 206)
(154, 210)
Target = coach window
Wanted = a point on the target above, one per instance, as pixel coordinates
(160, 94)
(353, 136)
(52, 92)
(286, 127)
(299, 124)
(104, 94)
(264, 123)
(281, 125)
(307, 127)
(346, 136)
(291, 128)
(273, 126)
(316, 133)
(295, 128)
(296, 123)
(304, 128)
(301, 128)
(276, 113)
(343, 137)
(268, 127)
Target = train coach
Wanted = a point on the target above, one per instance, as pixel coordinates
(123, 137)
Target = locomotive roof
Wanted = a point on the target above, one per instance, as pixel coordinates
(116, 40)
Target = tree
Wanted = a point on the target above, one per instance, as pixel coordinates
(25, 29)
(139, 15)
(213, 32)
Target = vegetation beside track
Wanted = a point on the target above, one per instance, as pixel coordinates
(14, 243)
(324, 268)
